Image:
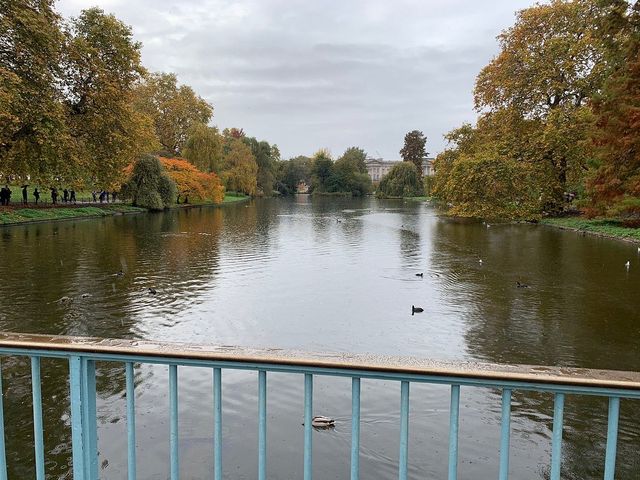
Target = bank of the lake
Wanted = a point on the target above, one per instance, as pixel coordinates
(48, 213)
(609, 228)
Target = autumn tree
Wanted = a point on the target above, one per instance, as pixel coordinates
(174, 109)
(264, 155)
(240, 170)
(414, 149)
(34, 139)
(615, 184)
(204, 148)
(193, 185)
(101, 67)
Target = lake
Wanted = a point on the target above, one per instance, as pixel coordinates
(327, 275)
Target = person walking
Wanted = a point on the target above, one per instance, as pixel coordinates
(36, 195)
(72, 197)
(54, 195)
(7, 195)
(65, 195)
(24, 194)
(3, 195)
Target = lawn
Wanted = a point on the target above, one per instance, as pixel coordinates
(23, 215)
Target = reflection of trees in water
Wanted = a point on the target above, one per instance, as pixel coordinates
(576, 313)
(49, 261)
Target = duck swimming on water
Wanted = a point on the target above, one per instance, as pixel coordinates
(321, 421)
(521, 285)
(420, 274)
(415, 309)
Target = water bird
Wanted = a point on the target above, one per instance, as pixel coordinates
(86, 295)
(153, 291)
(420, 274)
(415, 309)
(65, 300)
(119, 274)
(480, 261)
(521, 285)
(323, 422)
(628, 264)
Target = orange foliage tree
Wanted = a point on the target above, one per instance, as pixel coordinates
(193, 185)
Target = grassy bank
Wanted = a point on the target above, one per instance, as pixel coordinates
(63, 212)
(602, 227)
(23, 215)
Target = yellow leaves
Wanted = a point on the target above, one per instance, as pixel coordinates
(197, 186)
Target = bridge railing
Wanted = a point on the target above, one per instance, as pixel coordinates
(82, 353)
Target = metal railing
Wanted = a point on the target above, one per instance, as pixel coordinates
(82, 353)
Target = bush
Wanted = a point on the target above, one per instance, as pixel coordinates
(403, 180)
(149, 186)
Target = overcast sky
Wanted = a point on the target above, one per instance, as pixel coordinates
(309, 74)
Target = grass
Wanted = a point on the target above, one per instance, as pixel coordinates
(234, 197)
(23, 215)
(607, 227)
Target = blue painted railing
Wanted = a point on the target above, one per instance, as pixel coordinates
(82, 353)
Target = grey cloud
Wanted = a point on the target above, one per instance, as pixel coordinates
(330, 74)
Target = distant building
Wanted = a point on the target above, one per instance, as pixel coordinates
(302, 187)
(378, 168)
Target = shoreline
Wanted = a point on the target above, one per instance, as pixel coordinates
(602, 228)
(93, 211)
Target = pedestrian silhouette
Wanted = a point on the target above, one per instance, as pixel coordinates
(36, 195)
(54, 195)
(24, 194)
(73, 196)
(65, 195)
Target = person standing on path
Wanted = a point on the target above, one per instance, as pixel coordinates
(7, 195)
(73, 196)
(54, 195)
(24, 194)
(65, 195)
(36, 195)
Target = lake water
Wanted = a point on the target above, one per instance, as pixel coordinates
(332, 275)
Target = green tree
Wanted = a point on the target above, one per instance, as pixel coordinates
(263, 153)
(240, 170)
(414, 149)
(204, 148)
(174, 109)
(149, 185)
(403, 180)
(354, 157)
(102, 65)
(290, 173)
(34, 139)
(321, 171)
(350, 173)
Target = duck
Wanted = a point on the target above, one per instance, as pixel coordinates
(420, 274)
(480, 261)
(321, 421)
(628, 264)
(119, 274)
(153, 291)
(521, 285)
(65, 300)
(86, 295)
(415, 309)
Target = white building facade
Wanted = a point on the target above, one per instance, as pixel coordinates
(378, 168)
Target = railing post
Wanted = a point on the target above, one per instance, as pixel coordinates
(556, 444)
(77, 439)
(612, 438)
(403, 463)
(308, 431)
(173, 413)
(37, 417)
(355, 428)
(504, 434)
(131, 422)
(262, 425)
(89, 418)
(3, 453)
(454, 413)
(217, 423)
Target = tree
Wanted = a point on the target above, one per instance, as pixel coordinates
(354, 157)
(193, 184)
(204, 148)
(263, 153)
(321, 171)
(149, 186)
(615, 184)
(403, 180)
(102, 65)
(290, 173)
(34, 139)
(414, 149)
(240, 169)
(174, 109)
